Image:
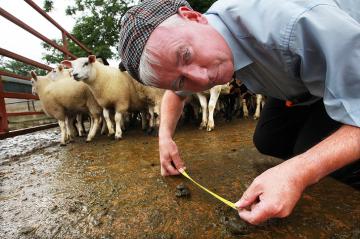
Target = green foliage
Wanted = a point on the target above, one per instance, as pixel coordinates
(48, 5)
(53, 56)
(201, 5)
(19, 68)
(97, 26)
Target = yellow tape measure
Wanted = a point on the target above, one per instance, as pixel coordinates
(227, 202)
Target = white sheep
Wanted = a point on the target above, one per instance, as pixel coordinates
(114, 89)
(151, 98)
(57, 73)
(208, 108)
(63, 97)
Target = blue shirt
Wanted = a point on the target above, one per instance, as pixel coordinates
(289, 48)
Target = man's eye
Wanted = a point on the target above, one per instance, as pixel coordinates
(181, 84)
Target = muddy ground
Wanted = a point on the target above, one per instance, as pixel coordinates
(113, 189)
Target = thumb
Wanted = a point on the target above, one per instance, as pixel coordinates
(249, 197)
(179, 164)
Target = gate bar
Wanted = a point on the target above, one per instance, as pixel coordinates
(23, 59)
(44, 14)
(4, 127)
(34, 32)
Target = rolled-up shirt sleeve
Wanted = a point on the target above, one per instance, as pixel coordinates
(327, 42)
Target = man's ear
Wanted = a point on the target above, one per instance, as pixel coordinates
(192, 15)
(92, 58)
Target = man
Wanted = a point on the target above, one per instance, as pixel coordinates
(303, 54)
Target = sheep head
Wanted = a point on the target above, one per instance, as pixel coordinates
(33, 82)
(82, 68)
(59, 72)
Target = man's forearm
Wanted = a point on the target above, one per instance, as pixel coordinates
(171, 108)
(334, 152)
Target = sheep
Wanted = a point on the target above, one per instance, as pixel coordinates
(63, 97)
(115, 89)
(245, 98)
(208, 109)
(151, 98)
(58, 73)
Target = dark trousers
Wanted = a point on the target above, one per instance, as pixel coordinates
(284, 132)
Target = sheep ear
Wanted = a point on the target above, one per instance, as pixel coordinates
(66, 63)
(92, 58)
(60, 67)
(33, 75)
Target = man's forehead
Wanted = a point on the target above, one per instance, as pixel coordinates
(166, 51)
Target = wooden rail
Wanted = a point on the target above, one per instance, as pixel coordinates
(4, 127)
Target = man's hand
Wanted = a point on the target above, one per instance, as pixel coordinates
(272, 194)
(170, 161)
(275, 192)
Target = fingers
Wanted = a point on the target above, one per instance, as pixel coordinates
(168, 168)
(179, 164)
(171, 169)
(256, 215)
(170, 160)
(249, 197)
(163, 171)
(252, 198)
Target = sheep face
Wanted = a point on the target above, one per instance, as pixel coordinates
(82, 68)
(59, 72)
(33, 83)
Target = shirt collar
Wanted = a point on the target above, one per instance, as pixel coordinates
(241, 59)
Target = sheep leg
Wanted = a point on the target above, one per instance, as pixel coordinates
(245, 109)
(93, 129)
(196, 110)
(157, 116)
(203, 104)
(67, 129)
(212, 104)
(118, 119)
(72, 127)
(144, 123)
(63, 132)
(237, 106)
(108, 122)
(103, 126)
(156, 119)
(70, 131)
(151, 121)
(79, 125)
(258, 105)
(125, 119)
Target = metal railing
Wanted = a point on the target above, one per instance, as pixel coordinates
(4, 127)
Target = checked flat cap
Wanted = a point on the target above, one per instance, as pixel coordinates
(136, 27)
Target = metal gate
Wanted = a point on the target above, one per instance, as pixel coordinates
(4, 128)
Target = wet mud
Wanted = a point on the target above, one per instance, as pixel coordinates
(113, 189)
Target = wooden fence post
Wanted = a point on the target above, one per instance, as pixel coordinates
(3, 115)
